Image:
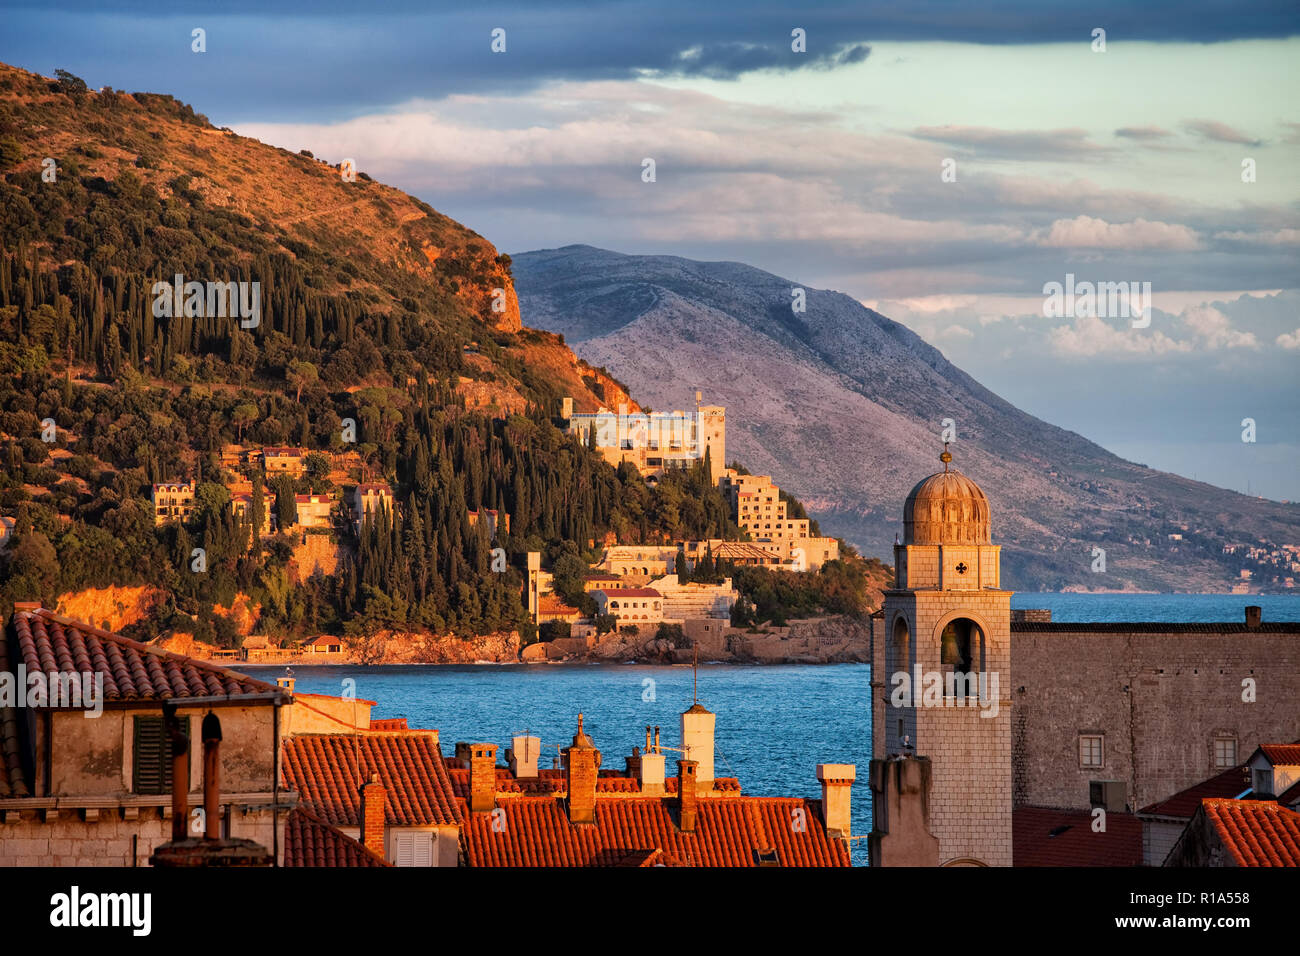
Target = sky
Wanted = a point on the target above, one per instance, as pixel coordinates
(943, 163)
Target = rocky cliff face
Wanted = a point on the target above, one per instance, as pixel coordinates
(844, 407)
(109, 608)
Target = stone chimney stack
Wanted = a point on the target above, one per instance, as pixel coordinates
(582, 763)
(634, 763)
(697, 741)
(523, 754)
(837, 798)
(687, 781)
(482, 777)
(900, 813)
(1254, 614)
(373, 796)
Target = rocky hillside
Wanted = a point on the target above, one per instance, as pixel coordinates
(144, 184)
(845, 408)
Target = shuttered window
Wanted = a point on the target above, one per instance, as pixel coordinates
(413, 848)
(152, 760)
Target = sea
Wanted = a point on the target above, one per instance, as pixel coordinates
(774, 723)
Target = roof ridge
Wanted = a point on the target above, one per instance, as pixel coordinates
(151, 649)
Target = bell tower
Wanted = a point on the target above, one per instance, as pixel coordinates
(944, 690)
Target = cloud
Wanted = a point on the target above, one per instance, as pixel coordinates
(1274, 237)
(1196, 330)
(1143, 133)
(1091, 336)
(1289, 340)
(1211, 329)
(1085, 232)
(1219, 132)
(730, 60)
(1056, 144)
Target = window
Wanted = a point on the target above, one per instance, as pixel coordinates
(151, 764)
(1225, 752)
(1090, 750)
(412, 848)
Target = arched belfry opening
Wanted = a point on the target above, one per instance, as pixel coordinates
(963, 650)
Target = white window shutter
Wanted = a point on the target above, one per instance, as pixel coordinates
(405, 845)
(423, 849)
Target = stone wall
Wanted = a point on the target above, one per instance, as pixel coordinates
(1159, 699)
(115, 837)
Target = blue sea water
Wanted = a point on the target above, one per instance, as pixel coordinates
(1182, 608)
(774, 724)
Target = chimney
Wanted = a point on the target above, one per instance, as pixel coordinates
(372, 815)
(687, 772)
(651, 774)
(634, 764)
(1253, 615)
(582, 761)
(180, 744)
(900, 813)
(697, 741)
(837, 799)
(211, 731)
(285, 684)
(482, 777)
(523, 755)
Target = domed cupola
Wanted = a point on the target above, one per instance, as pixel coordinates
(946, 508)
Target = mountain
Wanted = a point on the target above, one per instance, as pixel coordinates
(845, 408)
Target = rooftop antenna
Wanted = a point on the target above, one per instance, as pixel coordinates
(695, 666)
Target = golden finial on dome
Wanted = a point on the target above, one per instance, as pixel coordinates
(945, 457)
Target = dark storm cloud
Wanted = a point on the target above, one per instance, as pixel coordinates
(300, 57)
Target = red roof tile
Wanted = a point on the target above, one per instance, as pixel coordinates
(550, 781)
(132, 671)
(1281, 754)
(1045, 837)
(729, 831)
(310, 841)
(388, 723)
(1184, 804)
(1256, 832)
(324, 769)
(630, 592)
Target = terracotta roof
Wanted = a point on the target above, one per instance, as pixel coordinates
(46, 642)
(551, 604)
(742, 549)
(1291, 796)
(729, 831)
(1256, 832)
(375, 488)
(550, 781)
(324, 639)
(1041, 836)
(13, 775)
(1281, 754)
(630, 592)
(310, 841)
(1184, 804)
(388, 723)
(324, 769)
